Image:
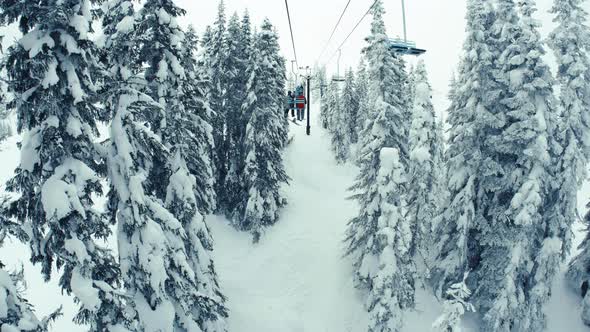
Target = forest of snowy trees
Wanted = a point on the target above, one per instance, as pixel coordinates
(192, 129)
(486, 217)
(479, 209)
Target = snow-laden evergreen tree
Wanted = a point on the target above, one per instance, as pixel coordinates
(52, 70)
(264, 171)
(198, 119)
(328, 104)
(440, 169)
(190, 191)
(343, 111)
(424, 144)
(280, 77)
(163, 243)
(497, 224)
(337, 124)
(135, 154)
(204, 60)
(456, 246)
(389, 264)
(410, 94)
(521, 236)
(319, 82)
(205, 302)
(16, 313)
(350, 108)
(5, 126)
(240, 48)
(234, 91)
(216, 53)
(454, 307)
(380, 238)
(361, 91)
(570, 42)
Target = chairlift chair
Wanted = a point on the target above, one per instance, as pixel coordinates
(404, 46)
(337, 77)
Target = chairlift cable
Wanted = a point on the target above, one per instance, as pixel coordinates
(291, 29)
(353, 30)
(333, 31)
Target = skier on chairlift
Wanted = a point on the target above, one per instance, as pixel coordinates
(300, 102)
(290, 104)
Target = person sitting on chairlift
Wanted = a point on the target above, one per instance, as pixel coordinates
(290, 105)
(300, 102)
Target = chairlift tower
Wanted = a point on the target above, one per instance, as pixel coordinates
(404, 46)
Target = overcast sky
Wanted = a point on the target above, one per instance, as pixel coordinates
(436, 25)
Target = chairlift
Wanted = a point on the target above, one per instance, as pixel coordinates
(337, 77)
(404, 46)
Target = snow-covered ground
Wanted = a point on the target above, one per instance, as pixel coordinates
(295, 279)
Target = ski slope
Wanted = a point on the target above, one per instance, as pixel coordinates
(295, 279)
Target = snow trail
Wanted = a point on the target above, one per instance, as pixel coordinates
(295, 279)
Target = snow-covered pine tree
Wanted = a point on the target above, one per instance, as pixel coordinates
(343, 110)
(334, 106)
(326, 106)
(264, 171)
(205, 302)
(424, 143)
(216, 52)
(233, 95)
(350, 109)
(570, 42)
(190, 191)
(410, 94)
(390, 263)
(199, 114)
(163, 242)
(337, 124)
(5, 127)
(280, 77)
(457, 247)
(440, 170)
(135, 154)
(380, 238)
(16, 313)
(454, 307)
(520, 245)
(239, 41)
(52, 71)
(204, 60)
(318, 82)
(361, 91)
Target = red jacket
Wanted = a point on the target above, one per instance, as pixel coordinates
(300, 101)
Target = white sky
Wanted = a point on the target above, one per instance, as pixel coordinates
(436, 25)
